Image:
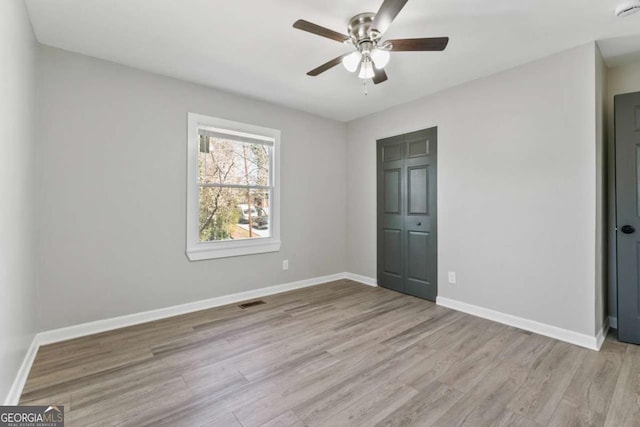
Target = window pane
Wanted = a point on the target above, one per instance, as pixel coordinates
(225, 214)
(223, 161)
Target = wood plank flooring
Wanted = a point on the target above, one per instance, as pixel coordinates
(338, 354)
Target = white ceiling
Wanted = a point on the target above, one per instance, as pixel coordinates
(249, 46)
(621, 50)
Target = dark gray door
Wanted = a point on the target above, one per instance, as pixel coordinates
(407, 238)
(627, 145)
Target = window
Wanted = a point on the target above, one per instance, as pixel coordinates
(232, 196)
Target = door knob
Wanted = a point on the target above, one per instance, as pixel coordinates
(419, 224)
(628, 229)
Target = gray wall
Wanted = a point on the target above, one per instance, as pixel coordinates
(620, 80)
(17, 189)
(516, 188)
(112, 184)
(516, 195)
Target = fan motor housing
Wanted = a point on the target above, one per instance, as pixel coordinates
(360, 26)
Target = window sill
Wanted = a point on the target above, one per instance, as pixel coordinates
(231, 249)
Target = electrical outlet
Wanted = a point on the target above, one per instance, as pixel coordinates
(452, 277)
(285, 264)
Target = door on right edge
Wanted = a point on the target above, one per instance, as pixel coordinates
(627, 146)
(407, 227)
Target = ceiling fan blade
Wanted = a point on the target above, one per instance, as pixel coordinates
(412, 45)
(312, 28)
(380, 76)
(326, 66)
(387, 13)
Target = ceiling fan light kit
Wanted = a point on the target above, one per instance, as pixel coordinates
(365, 32)
(380, 58)
(366, 69)
(628, 8)
(352, 61)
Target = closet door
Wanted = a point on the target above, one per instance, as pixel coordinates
(392, 190)
(407, 222)
(420, 219)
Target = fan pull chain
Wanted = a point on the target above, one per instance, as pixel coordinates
(365, 88)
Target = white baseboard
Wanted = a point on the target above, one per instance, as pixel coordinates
(582, 340)
(613, 322)
(90, 328)
(63, 334)
(362, 279)
(23, 373)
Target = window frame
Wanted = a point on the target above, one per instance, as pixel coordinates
(197, 250)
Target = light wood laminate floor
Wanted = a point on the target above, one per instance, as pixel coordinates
(338, 354)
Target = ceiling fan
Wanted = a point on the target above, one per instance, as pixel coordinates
(365, 32)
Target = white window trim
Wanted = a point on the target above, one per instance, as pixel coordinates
(197, 250)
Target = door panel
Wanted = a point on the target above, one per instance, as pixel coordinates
(407, 165)
(418, 148)
(392, 151)
(392, 191)
(418, 190)
(393, 252)
(418, 242)
(627, 145)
